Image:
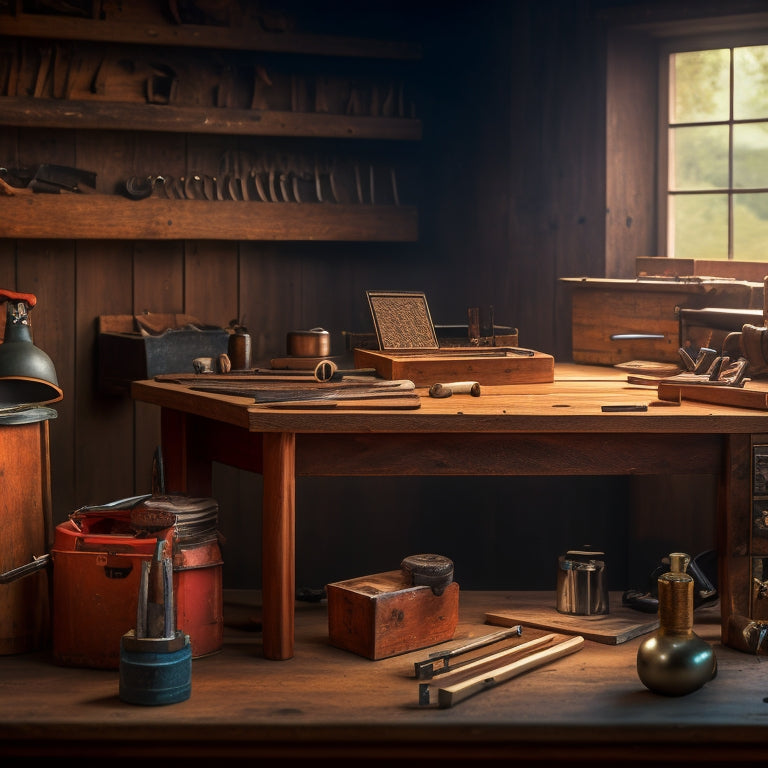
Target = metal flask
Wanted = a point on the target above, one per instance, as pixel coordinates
(582, 586)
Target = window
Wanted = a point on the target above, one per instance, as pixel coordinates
(714, 147)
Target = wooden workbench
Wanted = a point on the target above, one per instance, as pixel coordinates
(555, 428)
(586, 709)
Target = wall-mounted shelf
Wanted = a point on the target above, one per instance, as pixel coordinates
(226, 69)
(200, 36)
(54, 113)
(83, 216)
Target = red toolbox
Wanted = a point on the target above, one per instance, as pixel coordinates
(97, 556)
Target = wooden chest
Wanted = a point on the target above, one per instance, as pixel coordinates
(615, 321)
(379, 616)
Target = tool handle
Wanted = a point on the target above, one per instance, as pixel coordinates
(493, 637)
(483, 662)
(325, 370)
(455, 388)
(29, 299)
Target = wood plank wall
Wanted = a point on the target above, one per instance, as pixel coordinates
(514, 159)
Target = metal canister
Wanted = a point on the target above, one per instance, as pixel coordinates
(313, 343)
(582, 587)
(239, 349)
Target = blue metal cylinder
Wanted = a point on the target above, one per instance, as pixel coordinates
(154, 678)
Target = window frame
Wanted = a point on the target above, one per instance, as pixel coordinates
(666, 47)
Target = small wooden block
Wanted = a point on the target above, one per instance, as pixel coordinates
(379, 616)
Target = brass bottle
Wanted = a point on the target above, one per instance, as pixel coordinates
(674, 660)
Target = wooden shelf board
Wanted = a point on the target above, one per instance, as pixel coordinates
(194, 35)
(81, 216)
(100, 115)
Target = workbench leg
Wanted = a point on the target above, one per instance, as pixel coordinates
(186, 456)
(278, 544)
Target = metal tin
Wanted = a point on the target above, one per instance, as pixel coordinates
(313, 343)
(582, 587)
(239, 350)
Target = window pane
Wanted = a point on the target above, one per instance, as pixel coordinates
(750, 156)
(700, 88)
(750, 226)
(698, 157)
(699, 226)
(750, 82)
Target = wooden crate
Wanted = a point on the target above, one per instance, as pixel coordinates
(379, 616)
(604, 309)
(486, 365)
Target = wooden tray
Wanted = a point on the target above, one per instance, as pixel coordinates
(486, 365)
(538, 610)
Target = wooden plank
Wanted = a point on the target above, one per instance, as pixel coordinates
(158, 274)
(79, 216)
(738, 397)
(618, 626)
(99, 115)
(103, 434)
(458, 692)
(248, 37)
(268, 270)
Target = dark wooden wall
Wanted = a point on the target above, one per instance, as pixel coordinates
(514, 174)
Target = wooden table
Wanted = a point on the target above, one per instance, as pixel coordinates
(548, 429)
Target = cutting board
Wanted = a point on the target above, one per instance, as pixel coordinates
(537, 609)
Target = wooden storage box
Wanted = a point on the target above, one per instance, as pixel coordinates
(605, 312)
(487, 365)
(379, 616)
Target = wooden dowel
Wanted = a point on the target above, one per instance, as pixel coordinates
(453, 694)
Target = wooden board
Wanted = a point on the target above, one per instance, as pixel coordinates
(738, 397)
(486, 365)
(537, 609)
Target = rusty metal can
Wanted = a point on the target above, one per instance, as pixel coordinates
(239, 349)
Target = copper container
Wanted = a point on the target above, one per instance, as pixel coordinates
(312, 343)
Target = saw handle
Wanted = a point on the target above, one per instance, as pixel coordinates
(29, 299)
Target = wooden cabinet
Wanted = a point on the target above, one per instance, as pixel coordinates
(253, 128)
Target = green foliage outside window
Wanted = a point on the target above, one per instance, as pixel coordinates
(718, 154)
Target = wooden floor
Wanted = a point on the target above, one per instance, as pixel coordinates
(587, 708)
